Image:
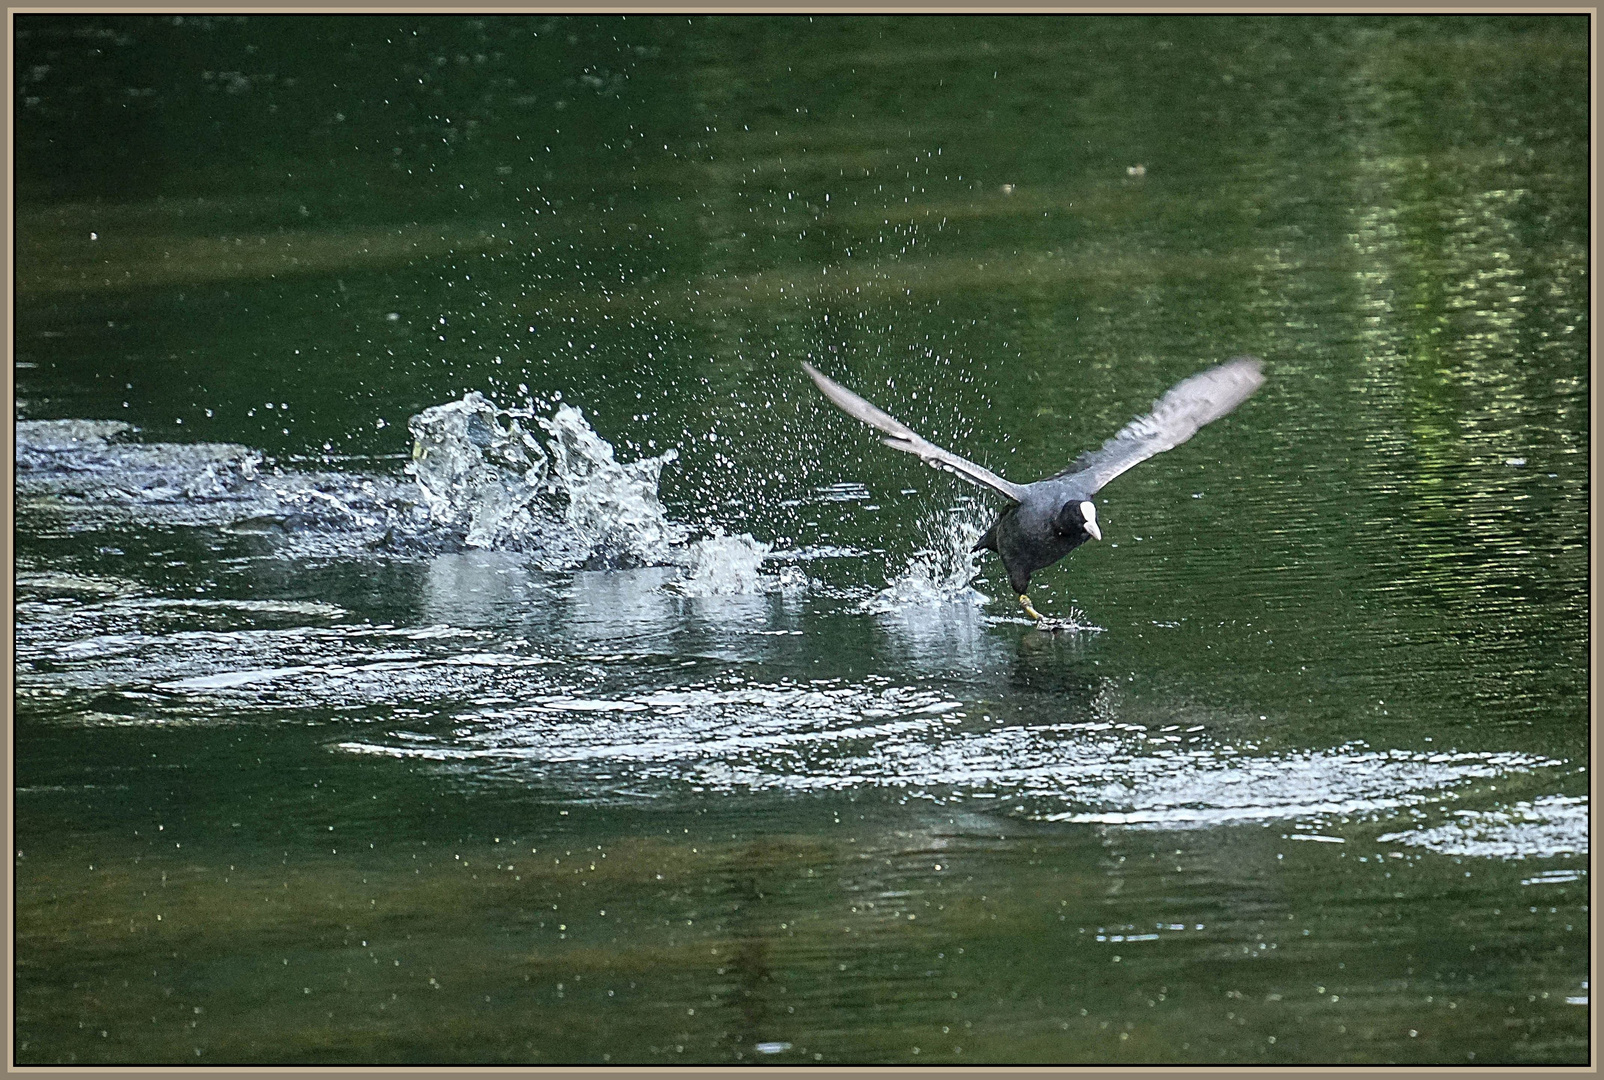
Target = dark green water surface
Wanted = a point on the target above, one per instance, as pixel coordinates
(301, 777)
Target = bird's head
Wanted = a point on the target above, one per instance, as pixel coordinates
(1077, 517)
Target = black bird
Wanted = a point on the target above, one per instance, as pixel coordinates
(1052, 517)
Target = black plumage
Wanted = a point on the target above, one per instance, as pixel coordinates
(1050, 518)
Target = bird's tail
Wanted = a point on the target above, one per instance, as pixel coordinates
(987, 542)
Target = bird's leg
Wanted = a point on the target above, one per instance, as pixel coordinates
(1042, 621)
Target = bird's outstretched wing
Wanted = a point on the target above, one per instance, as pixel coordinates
(1190, 403)
(901, 437)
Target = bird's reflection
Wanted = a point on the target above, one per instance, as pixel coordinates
(1058, 665)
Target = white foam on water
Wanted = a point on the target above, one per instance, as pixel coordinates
(229, 679)
(516, 708)
(66, 436)
(925, 744)
(1554, 877)
(94, 471)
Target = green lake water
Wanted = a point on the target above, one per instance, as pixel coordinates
(754, 763)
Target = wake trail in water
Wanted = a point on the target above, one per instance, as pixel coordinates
(535, 480)
(543, 484)
(489, 491)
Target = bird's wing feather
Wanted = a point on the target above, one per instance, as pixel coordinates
(901, 437)
(1176, 417)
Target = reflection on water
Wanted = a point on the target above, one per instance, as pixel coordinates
(679, 723)
(955, 636)
(480, 588)
(627, 607)
(1060, 747)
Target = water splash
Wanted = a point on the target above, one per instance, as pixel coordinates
(483, 472)
(732, 566)
(723, 566)
(940, 572)
(546, 487)
(613, 507)
(481, 477)
(475, 464)
(222, 479)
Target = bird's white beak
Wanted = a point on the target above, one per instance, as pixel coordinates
(1089, 512)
